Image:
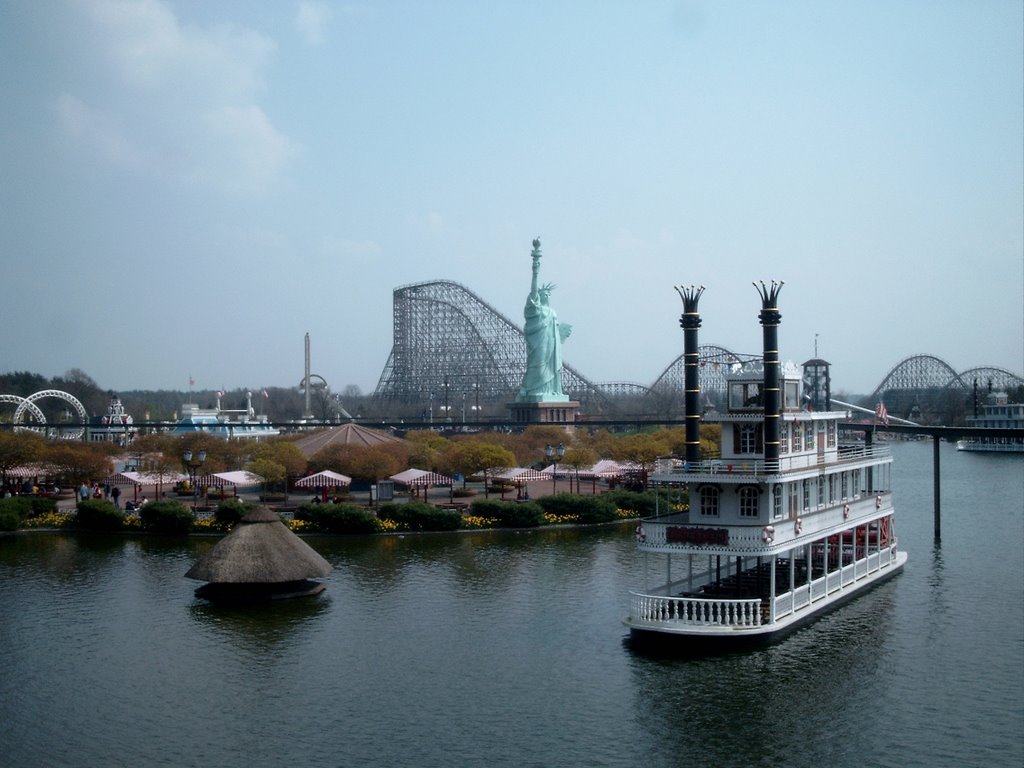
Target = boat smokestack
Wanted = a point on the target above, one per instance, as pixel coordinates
(689, 321)
(772, 395)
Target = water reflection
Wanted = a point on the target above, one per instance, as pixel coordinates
(261, 628)
(749, 708)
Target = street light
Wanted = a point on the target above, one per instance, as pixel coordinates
(192, 467)
(554, 455)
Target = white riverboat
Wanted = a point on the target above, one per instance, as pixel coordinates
(996, 413)
(783, 525)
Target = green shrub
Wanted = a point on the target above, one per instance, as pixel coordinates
(509, 514)
(10, 520)
(643, 503)
(18, 505)
(338, 518)
(586, 509)
(419, 516)
(98, 515)
(231, 510)
(166, 517)
(40, 505)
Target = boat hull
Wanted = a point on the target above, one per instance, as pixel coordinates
(709, 639)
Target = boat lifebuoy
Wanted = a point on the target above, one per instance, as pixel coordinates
(846, 510)
(878, 502)
(798, 526)
(768, 534)
(640, 535)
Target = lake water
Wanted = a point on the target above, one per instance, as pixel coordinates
(507, 649)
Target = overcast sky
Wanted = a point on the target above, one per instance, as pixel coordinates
(187, 188)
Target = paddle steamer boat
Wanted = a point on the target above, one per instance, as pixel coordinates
(783, 525)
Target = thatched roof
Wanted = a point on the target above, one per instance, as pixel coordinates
(346, 434)
(259, 550)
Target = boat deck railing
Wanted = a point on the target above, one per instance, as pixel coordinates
(687, 611)
(666, 469)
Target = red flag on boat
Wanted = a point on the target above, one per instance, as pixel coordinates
(881, 414)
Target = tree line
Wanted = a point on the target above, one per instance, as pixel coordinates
(280, 460)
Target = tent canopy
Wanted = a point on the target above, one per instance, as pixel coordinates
(519, 475)
(412, 477)
(145, 478)
(607, 468)
(325, 478)
(238, 478)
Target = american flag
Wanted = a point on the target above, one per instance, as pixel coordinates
(881, 414)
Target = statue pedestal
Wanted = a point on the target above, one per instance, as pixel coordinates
(544, 413)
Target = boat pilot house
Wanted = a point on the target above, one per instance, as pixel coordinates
(785, 523)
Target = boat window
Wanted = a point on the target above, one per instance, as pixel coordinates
(807, 494)
(784, 438)
(856, 483)
(777, 501)
(831, 489)
(748, 502)
(845, 486)
(792, 390)
(709, 501)
(746, 439)
(794, 499)
(745, 395)
(809, 436)
(821, 491)
(831, 434)
(795, 438)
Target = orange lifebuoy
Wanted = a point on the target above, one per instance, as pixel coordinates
(768, 534)
(846, 510)
(640, 535)
(878, 502)
(799, 525)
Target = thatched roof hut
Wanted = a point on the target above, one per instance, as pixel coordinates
(261, 559)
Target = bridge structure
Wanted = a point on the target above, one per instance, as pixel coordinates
(455, 355)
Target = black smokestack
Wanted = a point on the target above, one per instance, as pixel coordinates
(772, 395)
(689, 321)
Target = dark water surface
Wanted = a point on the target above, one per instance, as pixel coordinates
(507, 649)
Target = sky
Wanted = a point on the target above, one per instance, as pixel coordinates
(188, 188)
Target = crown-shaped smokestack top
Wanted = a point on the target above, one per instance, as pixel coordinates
(769, 301)
(770, 319)
(689, 321)
(690, 296)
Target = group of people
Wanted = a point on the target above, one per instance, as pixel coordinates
(108, 492)
(28, 488)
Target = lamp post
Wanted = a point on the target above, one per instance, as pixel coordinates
(192, 467)
(554, 455)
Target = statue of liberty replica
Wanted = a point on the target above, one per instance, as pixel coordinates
(540, 397)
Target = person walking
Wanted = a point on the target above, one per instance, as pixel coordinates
(116, 496)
